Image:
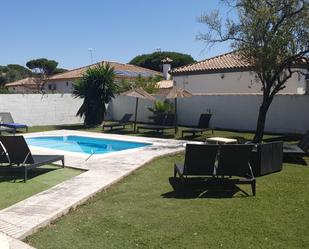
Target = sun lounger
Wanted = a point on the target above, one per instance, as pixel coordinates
(7, 121)
(6, 129)
(234, 162)
(123, 122)
(18, 155)
(168, 123)
(299, 149)
(199, 161)
(203, 125)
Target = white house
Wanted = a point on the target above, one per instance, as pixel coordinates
(229, 74)
(62, 83)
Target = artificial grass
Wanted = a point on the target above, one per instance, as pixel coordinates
(13, 191)
(143, 211)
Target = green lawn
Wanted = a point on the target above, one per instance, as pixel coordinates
(143, 211)
(39, 179)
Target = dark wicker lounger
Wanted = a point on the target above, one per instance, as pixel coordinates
(203, 125)
(123, 122)
(153, 127)
(199, 161)
(167, 122)
(233, 163)
(299, 149)
(18, 155)
(234, 160)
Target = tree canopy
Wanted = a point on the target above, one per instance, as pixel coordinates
(272, 35)
(153, 60)
(13, 72)
(42, 66)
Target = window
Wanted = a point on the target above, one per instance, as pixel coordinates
(51, 87)
(67, 83)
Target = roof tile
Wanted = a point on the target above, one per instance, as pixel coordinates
(121, 71)
(229, 61)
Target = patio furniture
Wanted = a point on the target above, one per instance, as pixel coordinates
(299, 149)
(267, 158)
(221, 140)
(199, 161)
(7, 121)
(168, 123)
(203, 125)
(6, 129)
(16, 153)
(234, 162)
(121, 124)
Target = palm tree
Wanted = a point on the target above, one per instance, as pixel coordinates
(97, 88)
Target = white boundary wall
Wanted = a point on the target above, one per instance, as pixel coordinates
(287, 114)
(37, 109)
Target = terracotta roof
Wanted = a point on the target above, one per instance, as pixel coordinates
(29, 81)
(230, 61)
(121, 71)
(165, 84)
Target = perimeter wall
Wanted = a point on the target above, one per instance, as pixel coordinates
(37, 109)
(287, 114)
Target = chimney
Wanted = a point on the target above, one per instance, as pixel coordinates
(166, 67)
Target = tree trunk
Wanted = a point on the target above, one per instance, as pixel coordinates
(261, 121)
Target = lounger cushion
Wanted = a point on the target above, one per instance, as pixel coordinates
(14, 125)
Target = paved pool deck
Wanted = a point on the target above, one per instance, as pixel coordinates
(101, 171)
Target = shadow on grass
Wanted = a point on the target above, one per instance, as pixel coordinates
(16, 174)
(120, 132)
(73, 127)
(194, 188)
(281, 138)
(141, 134)
(294, 160)
(157, 134)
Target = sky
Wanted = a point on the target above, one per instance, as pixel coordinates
(115, 30)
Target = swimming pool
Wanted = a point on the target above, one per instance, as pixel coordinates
(81, 144)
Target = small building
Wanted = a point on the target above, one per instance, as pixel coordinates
(229, 74)
(26, 85)
(63, 82)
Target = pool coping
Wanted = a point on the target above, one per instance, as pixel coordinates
(26, 217)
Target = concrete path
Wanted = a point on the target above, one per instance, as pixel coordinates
(26, 217)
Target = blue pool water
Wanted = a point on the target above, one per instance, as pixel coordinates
(87, 145)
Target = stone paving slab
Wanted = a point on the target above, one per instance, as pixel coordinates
(27, 216)
(7, 242)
